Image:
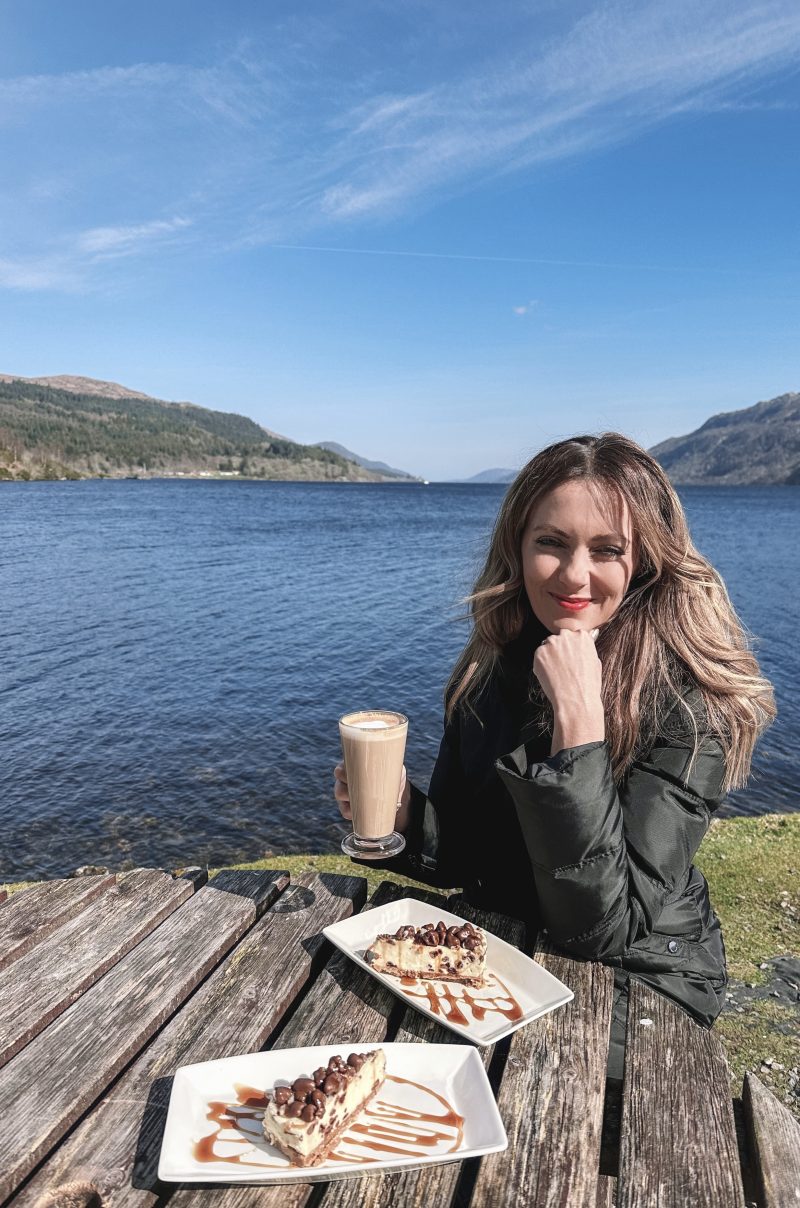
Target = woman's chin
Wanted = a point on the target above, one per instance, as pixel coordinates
(584, 618)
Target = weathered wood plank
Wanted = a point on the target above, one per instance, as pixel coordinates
(61, 1073)
(3, 896)
(196, 876)
(32, 914)
(678, 1137)
(551, 1097)
(606, 1191)
(344, 1005)
(116, 1147)
(774, 1137)
(434, 1185)
(77, 954)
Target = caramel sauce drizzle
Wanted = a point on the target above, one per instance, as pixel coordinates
(250, 1096)
(228, 1120)
(383, 1128)
(442, 1000)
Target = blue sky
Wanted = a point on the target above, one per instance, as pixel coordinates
(442, 233)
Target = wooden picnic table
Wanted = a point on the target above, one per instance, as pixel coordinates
(109, 983)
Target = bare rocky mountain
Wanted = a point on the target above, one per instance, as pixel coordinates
(759, 445)
(79, 385)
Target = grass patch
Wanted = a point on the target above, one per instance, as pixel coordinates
(15, 886)
(331, 863)
(765, 1040)
(753, 870)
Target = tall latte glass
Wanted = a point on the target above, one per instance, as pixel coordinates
(373, 743)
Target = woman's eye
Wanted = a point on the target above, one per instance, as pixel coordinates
(604, 551)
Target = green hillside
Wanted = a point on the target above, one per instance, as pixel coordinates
(55, 433)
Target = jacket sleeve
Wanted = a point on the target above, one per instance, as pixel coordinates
(606, 859)
(436, 850)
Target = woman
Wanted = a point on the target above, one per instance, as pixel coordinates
(604, 704)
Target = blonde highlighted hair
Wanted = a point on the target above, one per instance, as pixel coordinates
(676, 626)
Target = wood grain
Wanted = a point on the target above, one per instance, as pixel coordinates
(32, 914)
(433, 1185)
(345, 1006)
(116, 1147)
(551, 1096)
(606, 1191)
(60, 1074)
(678, 1139)
(42, 983)
(774, 1137)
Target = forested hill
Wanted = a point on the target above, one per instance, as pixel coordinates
(757, 445)
(52, 432)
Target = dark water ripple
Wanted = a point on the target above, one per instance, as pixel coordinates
(176, 653)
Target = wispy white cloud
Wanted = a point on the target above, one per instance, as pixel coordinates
(66, 265)
(708, 105)
(127, 240)
(280, 138)
(231, 90)
(37, 274)
(623, 68)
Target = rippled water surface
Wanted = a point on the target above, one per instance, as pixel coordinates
(176, 653)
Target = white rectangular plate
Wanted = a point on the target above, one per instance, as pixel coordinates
(428, 1088)
(517, 990)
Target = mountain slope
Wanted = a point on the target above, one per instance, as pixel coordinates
(380, 467)
(79, 385)
(493, 476)
(53, 433)
(757, 445)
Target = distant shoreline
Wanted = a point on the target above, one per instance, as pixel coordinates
(185, 476)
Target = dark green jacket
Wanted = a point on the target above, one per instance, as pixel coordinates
(606, 871)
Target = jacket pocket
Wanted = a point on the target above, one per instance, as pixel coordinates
(681, 917)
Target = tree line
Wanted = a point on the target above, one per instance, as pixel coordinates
(86, 430)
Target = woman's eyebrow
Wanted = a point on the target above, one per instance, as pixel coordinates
(551, 528)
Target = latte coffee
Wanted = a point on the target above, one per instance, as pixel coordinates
(374, 743)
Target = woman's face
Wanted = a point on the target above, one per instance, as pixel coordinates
(577, 556)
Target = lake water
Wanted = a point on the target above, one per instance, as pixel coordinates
(176, 653)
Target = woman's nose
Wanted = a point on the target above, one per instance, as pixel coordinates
(574, 570)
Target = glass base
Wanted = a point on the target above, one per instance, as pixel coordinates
(373, 849)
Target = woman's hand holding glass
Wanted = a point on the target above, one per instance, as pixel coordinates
(342, 795)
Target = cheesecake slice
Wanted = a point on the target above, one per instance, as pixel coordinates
(307, 1117)
(432, 951)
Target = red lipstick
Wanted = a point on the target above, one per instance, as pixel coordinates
(573, 603)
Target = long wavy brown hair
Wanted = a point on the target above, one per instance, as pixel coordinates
(675, 628)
